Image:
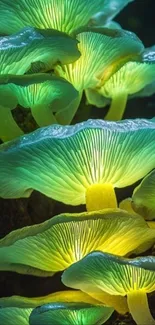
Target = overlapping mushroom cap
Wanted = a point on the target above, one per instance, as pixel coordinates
(143, 198)
(61, 241)
(73, 163)
(66, 296)
(17, 309)
(45, 94)
(64, 15)
(70, 314)
(103, 51)
(35, 50)
(117, 276)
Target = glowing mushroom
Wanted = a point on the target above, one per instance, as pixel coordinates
(70, 314)
(117, 276)
(79, 164)
(143, 198)
(17, 309)
(103, 52)
(45, 94)
(128, 80)
(65, 16)
(63, 240)
(67, 296)
(36, 50)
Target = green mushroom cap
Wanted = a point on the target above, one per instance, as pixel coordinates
(44, 94)
(62, 162)
(63, 240)
(35, 50)
(63, 15)
(103, 52)
(115, 275)
(70, 314)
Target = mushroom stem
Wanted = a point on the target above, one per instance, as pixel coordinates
(43, 115)
(100, 196)
(139, 308)
(9, 129)
(117, 107)
(66, 115)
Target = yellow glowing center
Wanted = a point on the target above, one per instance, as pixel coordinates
(100, 196)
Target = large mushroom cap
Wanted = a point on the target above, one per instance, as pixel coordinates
(62, 162)
(64, 15)
(63, 240)
(70, 314)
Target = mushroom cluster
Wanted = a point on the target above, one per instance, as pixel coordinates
(54, 53)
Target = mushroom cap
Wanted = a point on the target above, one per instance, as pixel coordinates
(68, 296)
(63, 240)
(111, 273)
(70, 314)
(143, 198)
(35, 50)
(63, 161)
(37, 89)
(15, 315)
(103, 52)
(76, 296)
(63, 15)
(129, 79)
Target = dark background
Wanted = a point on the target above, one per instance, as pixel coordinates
(138, 17)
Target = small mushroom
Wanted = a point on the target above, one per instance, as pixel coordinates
(62, 15)
(143, 198)
(117, 276)
(35, 50)
(79, 164)
(103, 52)
(45, 94)
(128, 80)
(70, 314)
(54, 245)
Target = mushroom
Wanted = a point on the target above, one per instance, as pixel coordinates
(80, 164)
(143, 198)
(70, 314)
(66, 296)
(117, 276)
(128, 80)
(54, 245)
(62, 15)
(35, 50)
(17, 309)
(134, 79)
(45, 94)
(103, 52)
